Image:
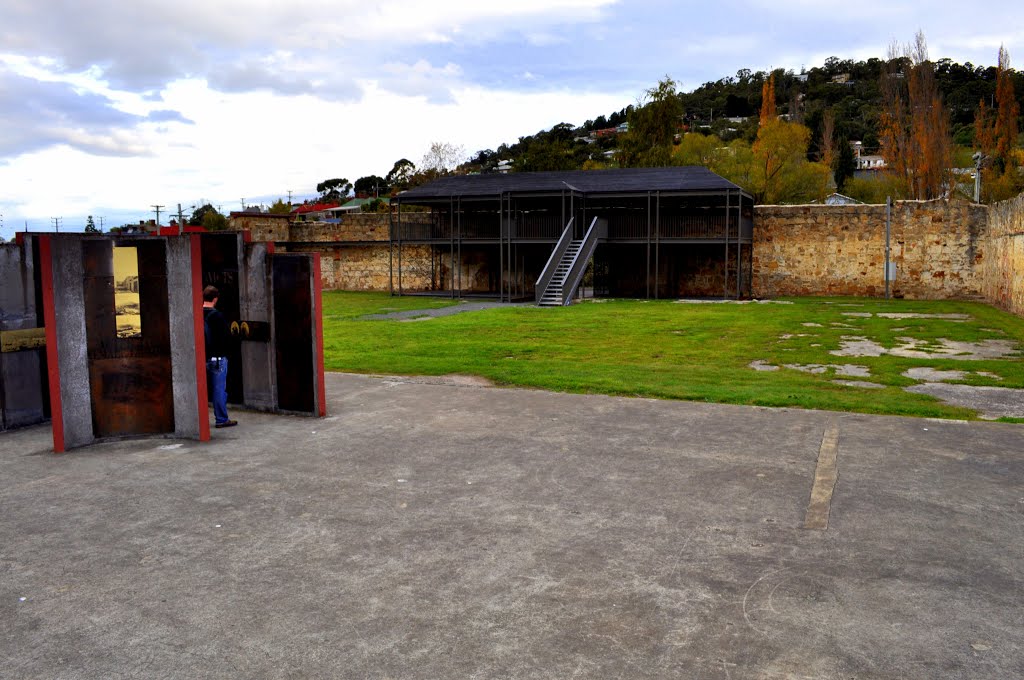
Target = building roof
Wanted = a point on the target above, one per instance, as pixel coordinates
(682, 179)
(314, 207)
(253, 213)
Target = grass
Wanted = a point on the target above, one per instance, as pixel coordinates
(663, 349)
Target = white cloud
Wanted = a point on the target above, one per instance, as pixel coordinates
(293, 143)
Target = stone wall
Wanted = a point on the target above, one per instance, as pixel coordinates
(1003, 268)
(262, 227)
(354, 227)
(937, 246)
(367, 267)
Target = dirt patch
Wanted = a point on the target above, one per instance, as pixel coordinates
(990, 402)
(912, 348)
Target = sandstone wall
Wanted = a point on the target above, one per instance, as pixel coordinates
(938, 248)
(1003, 268)
(367, 267)
(353, 227)
(261, 227)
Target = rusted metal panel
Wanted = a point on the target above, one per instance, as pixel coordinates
(130, 379)
(221, 255)
(293, 331)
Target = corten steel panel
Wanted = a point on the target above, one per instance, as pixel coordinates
(292, 286)
(130, 379)
(23, 394)
(259, 378)
(221, 255)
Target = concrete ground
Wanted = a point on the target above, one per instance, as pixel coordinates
(432, 530)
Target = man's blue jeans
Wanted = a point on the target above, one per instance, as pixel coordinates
(217, 371)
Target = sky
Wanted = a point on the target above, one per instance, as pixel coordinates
(109, 108)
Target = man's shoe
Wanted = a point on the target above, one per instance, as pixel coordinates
(226, 423)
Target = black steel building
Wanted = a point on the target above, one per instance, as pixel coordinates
(651, 232)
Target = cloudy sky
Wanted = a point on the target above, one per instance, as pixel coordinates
(111, 106)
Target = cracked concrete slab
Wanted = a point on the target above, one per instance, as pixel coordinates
(913, 348)
(848, 370)
(864, 384)
(428, 531)
(762, 365)
(929, 374)
(990, 402)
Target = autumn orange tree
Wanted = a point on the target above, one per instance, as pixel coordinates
(996, 135)
(914, 125)
(768, 100)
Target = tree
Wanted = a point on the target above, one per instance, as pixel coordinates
(914, 125)
(828, 138)
(443, 157)
(996, 134)
(845, 164)
(653, 125)
(90, 226)
(200, 213)
(768, 101)
(371, 185)
(280, 208)
(401, 172)
(334, 189)
(782, 173)
(1007, 111)
(214, 221)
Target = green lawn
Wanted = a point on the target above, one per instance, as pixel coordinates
(664, 349)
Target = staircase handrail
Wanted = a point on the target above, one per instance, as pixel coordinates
(579, 263)
(556, 255)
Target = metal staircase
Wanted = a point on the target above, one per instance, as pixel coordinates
(564, 271)
(555, 296)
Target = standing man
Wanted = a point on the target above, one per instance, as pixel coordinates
(217, 338)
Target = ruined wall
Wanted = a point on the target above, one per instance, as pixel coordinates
(353, 227)
(1003, 266)
(938, 248)
(367, 267)
(262, 227)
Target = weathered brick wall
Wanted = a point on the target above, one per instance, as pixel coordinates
(937, 246)
(261, 227)
(1003, 267)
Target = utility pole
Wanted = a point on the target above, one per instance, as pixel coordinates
(181, 224)
(979, 160)
(289, 197)
(156, 208)
(242, 200)
(888, 232)
(101, 223)
(56, 223)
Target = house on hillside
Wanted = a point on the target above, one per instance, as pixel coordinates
(652, 232)
(314, 212)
